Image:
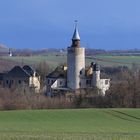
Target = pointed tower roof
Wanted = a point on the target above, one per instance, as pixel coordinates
(76, 35)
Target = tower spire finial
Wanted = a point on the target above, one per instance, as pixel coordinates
(76, 33)
(76, 22)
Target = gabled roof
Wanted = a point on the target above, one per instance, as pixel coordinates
(28, 69)
(17, 71)
(59, 72)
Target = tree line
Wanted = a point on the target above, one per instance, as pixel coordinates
(124, 92)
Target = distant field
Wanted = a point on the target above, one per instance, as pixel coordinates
(78, 124)
(54, 60)
(109, 60)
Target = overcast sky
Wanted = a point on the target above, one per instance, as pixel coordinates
(103, 24)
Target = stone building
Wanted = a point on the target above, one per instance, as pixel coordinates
(76, 75)
(23, 78)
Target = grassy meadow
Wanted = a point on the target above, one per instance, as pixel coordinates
(109, 60)
(70, 124)
(54, 60)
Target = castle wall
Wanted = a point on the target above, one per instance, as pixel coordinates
(104, 85)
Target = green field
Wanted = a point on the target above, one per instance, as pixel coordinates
(54, 60)
(51, 59)
(118, 60)
(70, 124)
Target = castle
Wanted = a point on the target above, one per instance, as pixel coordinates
(75, 75)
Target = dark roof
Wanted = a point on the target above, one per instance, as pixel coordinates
(17, 71)
(59, 72)
(28, 69)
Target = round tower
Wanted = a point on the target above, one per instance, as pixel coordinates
(75, 62)
(96, 75)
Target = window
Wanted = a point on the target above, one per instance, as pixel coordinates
(12, 81)
(81, 72)
(19, 81)
(61, 82)
(80, 84)
(25, 81)
(106, 82)
(7, 82)
(48, 81)
(88, 82)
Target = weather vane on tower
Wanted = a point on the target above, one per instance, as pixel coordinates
(76, 22)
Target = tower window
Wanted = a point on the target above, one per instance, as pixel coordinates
(80, 72)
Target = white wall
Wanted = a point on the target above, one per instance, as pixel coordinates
(60, 82)
(103, 86)
(34, 82)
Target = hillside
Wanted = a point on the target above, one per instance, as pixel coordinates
(54, 60)
(85, 124)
